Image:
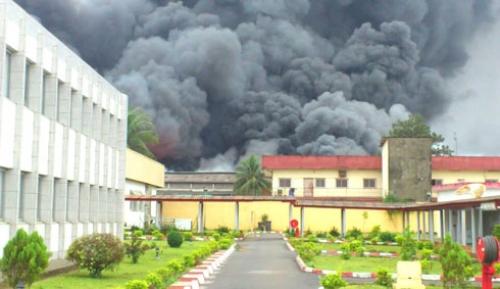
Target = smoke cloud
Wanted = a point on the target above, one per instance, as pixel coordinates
(226, 78)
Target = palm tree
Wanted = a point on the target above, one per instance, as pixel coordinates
(250, 179)
(141, 131)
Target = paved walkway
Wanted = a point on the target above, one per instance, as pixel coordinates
(263, 263)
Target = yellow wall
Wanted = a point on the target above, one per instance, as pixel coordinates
(142, 169)
(451, 177)
(316, 219)
(355, 182)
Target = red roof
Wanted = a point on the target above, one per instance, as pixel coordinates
(322, 162)
(454, 163)
(457, 163)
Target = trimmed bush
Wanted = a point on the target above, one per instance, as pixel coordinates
(354, 233)
(311, 238)
(188, 236)
(384, 279)
(387, 237)
(158, 235)
(96, 253)
(307, 250)
(153, 280)
(25, 257)
(165, 273)
(189, 261)
(223, 230)
(374, 233)
(135, 248)
(224, 244)
(174, 239)
(334, 232)
(176, 266)
(333, 281)
(322, 235)
(136, 284)
(408, 246)
(216, 236)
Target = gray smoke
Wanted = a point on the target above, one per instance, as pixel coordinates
(226, 78)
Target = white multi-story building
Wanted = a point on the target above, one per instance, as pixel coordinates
(62, 138)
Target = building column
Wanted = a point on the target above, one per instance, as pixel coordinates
(404, 221)
(200, 217)
(424, 225)
(473, 227)
(290, 215)
(302, 221)
(450, 224)
(418, 226)
(480, 221)
(237, 216)
(431, 225)
(343, 222)
(408, 222)
(463, 226)
(159, 214)
(441, 224)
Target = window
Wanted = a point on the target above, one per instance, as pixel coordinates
(6, 73)
(369, 183)
(285, 183)
(2, 191)
(44, 92)
(27, 75)
(320, 183)
(341, 183)
(436, 182)
(491, 181)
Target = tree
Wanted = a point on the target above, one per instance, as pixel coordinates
(25, 257)
(141, 131)
(135, 248)
(250, 179)
(456, 264)
(415, 126)
(408, 246)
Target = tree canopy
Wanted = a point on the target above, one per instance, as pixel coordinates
(415, 126)
(141, 132)
(250, 179)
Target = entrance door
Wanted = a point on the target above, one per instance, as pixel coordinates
(308, 187)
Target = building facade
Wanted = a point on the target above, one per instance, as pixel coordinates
(213, 183)
(62, 138)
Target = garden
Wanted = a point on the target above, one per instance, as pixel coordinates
(378, 252)
(146, 259)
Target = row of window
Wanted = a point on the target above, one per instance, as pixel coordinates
(439, 182)
(321, 183)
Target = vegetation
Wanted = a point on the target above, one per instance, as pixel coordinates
(136, 284)
(456, 264)
(408, 246)
(96, 253)
(135, 248)
(188, 236)
(174, 239)
(334, 232)
(250, 179)
(352, 246)
(307, 250)
(384, 278)
(354, 233)
(141, 132)
(496, 231)
(333, 281)
(223, 230)
(25, 257)
(415, 126)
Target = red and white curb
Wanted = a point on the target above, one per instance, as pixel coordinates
(199, 275)
(368, 275)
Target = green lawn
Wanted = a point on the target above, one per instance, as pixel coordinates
(124, 272)
(370, 248)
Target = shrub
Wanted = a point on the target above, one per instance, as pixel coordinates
(154, 280)
(425, 245)
(496, 231)
(237, 234)
(158, 235)
(307, 250)
(322, 235)
(136, 284)
(165, 273)
(223, 230)
(224, 244)
(375, 240)
(174, 239)
(334, 232)
(384, 278)
(353, 246)
(408, 246)
(346, 251)
(399, 239)
(165, 229)
(456, 264)
(188, 236)
(374, 233)
(354, 233)
(176, 266)
(387, 237)
(312, 238)
(216, 236)
(189, 261)
(333, 281)
(96, 252)
(135, 248)
(308, 232)
(25, 257)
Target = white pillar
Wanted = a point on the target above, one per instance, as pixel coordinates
(343, 222)
(418, 225)
(290, 214)
(480, 221)
(463, 226)
(237, 216)
(404, 220)
(424, 225)
(441, 224)
(450, 224)
(200, 217)
(159, 214)
(302, 221)
(473, 227)
(431, 225)
(408, 223)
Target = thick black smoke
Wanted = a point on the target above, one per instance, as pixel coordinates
(226, 78)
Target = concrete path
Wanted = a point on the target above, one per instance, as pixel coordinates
(262, 263)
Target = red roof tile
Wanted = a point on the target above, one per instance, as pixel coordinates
(322, 162)
(457, 163)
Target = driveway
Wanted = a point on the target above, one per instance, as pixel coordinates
(262, 262)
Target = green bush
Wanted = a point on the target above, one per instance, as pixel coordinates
(334, 232)
(408, 246)
(333, 281)
(387, 237)
(322, 235)
(96, 253)
(165, 273)
(374, 241)
(174, 239)
(311, 238)
(353, 246)
(456, 264)
(346, 251)
(384, 279)
(224, 244)
(136, 284)
(223, 230)
(135, 248)
(399, 239)
(176, 266)
(425, 245)
(189, 261)
(25, 257)
(237, 234)
(496, 231)
(374, 233)
(354, 233)
(154, 281)
(158, 235)
(307, 250)
(188, 236)
(216, 236)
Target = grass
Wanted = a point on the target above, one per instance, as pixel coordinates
(125, 272)
(369, 248)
